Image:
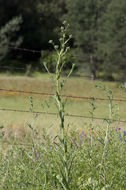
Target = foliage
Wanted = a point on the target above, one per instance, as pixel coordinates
(84, 17)
(40, 20)
(64, 167)
(98, 28)
(49, 57)
(8, 36)
(36, 166)
(99, 31)
(111, 46)
(93, 159)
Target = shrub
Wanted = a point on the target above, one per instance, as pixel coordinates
(50, 58)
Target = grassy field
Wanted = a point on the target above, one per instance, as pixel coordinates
(61, 151)
(42, 83)
(86, 159)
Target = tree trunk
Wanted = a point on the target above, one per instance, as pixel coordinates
(93, 68)
(125, 79)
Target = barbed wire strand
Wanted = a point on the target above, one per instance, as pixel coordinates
(16, 68)
(81, 58)
(65, 96)
(36, 51)
(66, 115)
(24, 49)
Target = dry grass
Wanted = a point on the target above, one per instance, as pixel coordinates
(75, 86)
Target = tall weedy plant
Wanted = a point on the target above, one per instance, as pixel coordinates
(113, 114)
(65, 158)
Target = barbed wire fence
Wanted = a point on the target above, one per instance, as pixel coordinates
(51, 94)
(66, 115)
(39, 52)
(65, 96)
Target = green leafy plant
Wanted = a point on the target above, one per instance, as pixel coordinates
(61, 51)
(112, 115)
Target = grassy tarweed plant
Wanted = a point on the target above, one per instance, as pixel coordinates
(64, 167)
(89, 158)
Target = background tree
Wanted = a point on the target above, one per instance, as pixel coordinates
(8, 36)
(112, 43)
(85, 17)
(40, 23)
(98, 28)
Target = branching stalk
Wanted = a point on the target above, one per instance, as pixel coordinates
(61, 50)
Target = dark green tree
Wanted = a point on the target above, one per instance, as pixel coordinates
(41, 19)
(112, 42)
(84, 18)
(8, 36)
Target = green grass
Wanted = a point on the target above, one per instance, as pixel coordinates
(37, 166)
(42, 83)
(75, 86)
